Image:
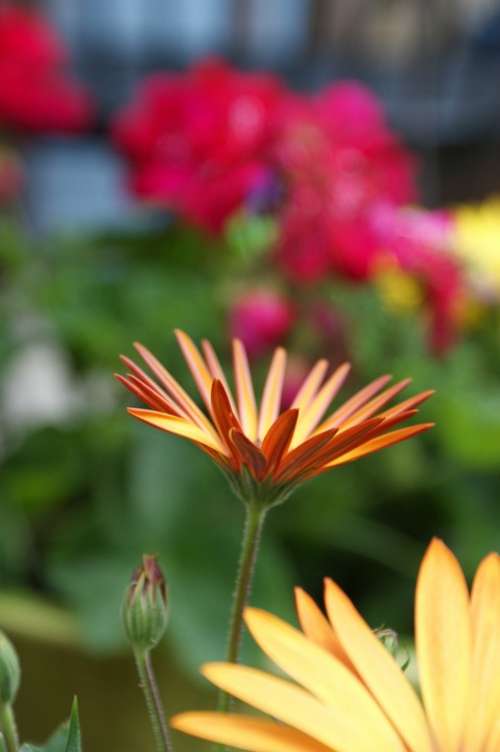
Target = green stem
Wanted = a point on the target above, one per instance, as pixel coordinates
(9, 728)
(254, 521)
(153, 702)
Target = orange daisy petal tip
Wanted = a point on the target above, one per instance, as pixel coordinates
(358, 697)
(267, 452)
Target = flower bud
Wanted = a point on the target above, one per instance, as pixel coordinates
(10, 671)
(145, 612)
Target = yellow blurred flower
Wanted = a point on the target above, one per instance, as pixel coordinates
(399, 291)
(350, 695)
(477, 243)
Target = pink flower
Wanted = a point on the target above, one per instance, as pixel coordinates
(198, 142)
(261, 319)
(35, 94)
(420, 242)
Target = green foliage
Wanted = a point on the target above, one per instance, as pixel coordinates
(67, 738)
(84, 496)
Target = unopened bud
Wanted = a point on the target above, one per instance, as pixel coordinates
(145, 611)
(10, 671)
(390, 640)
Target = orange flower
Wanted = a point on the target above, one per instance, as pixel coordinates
(350, 694)
(263, 453)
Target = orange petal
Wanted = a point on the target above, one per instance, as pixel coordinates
(354, 403)
(224, 417)
(189, 408)
(373, 405)
(278, 438)
(216, 370)
(299, 458)
(443, 644)
(249, 454)
(340, 444)
(178, 426)
(484, 701)
(245, 732)
(142, 376)
(271, 397)
(311, 384)
(378, 669)
(317, 628)
(145, 393)
(310, 416)
(408, 404)
(386, 440)
(246, 398)
(197, 365)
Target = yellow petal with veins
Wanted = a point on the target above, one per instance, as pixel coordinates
(337, 726)
(443, 644)
(378, 669)
(245, 732)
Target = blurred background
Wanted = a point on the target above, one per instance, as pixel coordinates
(313, 173)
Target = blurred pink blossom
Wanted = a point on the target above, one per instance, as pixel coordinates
(261, 319)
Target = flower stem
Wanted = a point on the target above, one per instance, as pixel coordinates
(9, 728)
(153, 702)
(254, 521)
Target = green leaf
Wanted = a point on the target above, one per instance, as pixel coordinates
(74, 741)
(66, 738)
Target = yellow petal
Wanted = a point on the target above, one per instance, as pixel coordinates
(310, 416)
(342, 728)
(310, 385)
(317, 628)
(354, 403)
(245, 732)
(443, 643)
(246, 398)
(484, 702)
(271, 396)
(378, 669)
(215, 368)
(197, 366)
(318, 671)
(178, 426)
(493, 744)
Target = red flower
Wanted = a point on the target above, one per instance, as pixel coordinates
(261, 319)
(35, 94)
(338, 159)
(198, 142)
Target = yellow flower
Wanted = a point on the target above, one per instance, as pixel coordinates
(350, 695)
(263, 453)
(477, 242)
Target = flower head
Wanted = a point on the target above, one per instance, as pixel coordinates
(265, 453)
(36, 94)
(351, 695)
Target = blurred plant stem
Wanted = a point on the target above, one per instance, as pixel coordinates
(254, 521)
(153, 701)
(9, 728)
